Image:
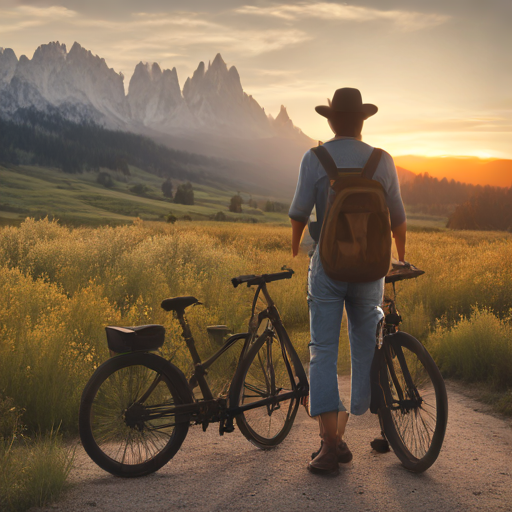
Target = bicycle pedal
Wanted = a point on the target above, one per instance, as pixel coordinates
(226, 426)
(380, 445)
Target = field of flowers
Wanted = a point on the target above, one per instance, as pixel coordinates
(61, 287)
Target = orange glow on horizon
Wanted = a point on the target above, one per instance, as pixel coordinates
(467, 169)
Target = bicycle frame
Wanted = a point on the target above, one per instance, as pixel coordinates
(211, 409)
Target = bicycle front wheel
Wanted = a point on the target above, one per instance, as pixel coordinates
(126, 421)
(415, 411)
(267, 373)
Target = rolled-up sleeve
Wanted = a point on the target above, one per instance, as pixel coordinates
(305, 193)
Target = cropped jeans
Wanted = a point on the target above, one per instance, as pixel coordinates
(326, 298)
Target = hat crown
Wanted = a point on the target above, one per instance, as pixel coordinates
(346, 98)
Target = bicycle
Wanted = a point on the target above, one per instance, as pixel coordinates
(408, 391)
(136, 409)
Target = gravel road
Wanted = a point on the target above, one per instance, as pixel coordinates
(213, 473)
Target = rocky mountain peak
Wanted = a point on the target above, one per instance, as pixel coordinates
(155, 97)
(8, 63)
(283, 117)
(53, 51)
(218, 63)
(82, 86)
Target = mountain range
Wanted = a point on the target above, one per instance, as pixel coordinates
(210, 115)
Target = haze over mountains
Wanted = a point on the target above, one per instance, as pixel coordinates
(210, 115)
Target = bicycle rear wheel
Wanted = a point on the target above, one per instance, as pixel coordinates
(415, 409)
(126, 422)
(266, 372)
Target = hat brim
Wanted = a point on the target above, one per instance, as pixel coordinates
(366, 108)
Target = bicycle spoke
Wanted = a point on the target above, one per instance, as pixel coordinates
(415, 422)
(151, 430)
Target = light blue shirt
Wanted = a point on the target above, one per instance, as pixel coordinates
(313, 183)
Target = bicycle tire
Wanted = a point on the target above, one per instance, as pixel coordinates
(414, 408)
(266, 364)
(112, 430)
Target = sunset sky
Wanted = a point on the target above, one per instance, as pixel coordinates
(439, 71)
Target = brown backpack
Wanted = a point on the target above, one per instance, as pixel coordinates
(355, 241)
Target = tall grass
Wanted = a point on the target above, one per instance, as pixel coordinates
(476, 349)
(34, 473)
(62, 286)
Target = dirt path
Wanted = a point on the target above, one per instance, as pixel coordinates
(212, 473)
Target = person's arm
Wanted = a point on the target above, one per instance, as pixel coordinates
(399, 234)
(303, 202)
(297, 232)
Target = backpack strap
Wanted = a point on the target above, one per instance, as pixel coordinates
(326, 161)
(371, 164)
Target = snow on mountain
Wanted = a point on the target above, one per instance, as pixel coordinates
(205, 117)
(79, 83)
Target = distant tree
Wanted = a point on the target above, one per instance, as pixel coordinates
(252, 203)
(105, 179)
(270, 206)
(219, 216)
(171, 218)
(122, 166)
(489, 209)
(167, 188)
(139, 189)
(236, 204)
(184, 194)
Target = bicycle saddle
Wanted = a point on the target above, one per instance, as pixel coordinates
(178, 303)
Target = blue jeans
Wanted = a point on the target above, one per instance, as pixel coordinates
(326, 298)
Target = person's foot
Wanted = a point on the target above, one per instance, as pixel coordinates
(343, 453)
(380, 445)
(326, 460)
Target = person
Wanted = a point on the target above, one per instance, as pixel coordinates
(345, 114)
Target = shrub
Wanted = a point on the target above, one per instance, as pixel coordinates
(187, 217)
(184, 194)
(235, 205)
(105, 179)
(167, 188)
(476, 349)
(220, 217)
(171, 218)
(139, 189)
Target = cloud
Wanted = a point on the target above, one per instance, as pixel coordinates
(164, 33)
(27, 16)
(406, 20)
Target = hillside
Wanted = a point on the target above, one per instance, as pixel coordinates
(77, 199)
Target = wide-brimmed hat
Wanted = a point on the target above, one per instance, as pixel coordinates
(346, 100)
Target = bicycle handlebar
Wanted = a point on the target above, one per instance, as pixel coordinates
(264, 278)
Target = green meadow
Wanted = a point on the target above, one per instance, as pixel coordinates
(77, 199)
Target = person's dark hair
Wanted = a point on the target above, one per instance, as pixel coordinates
(347, 124)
